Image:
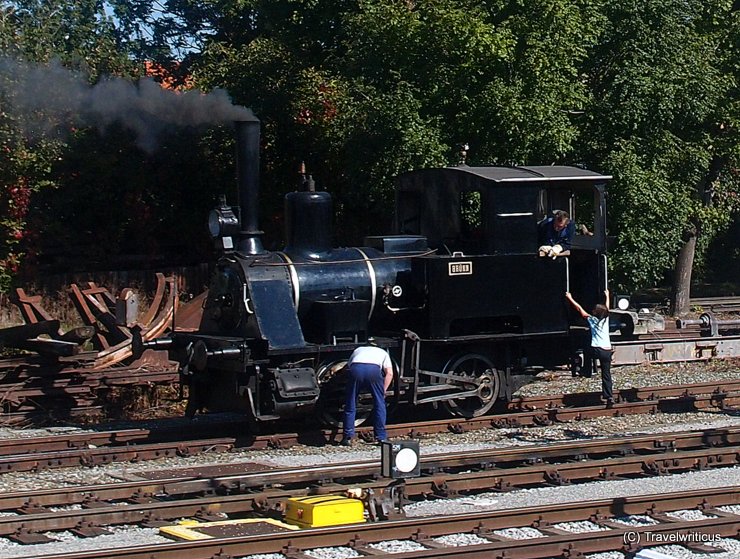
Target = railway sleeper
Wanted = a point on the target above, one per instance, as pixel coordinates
(701, 464)
(555, 478)
(153, 520)
(502, 486)
(289, 551)
(699, 547)
(94, 503)
(665, 445)
(487, 533)
(32, 507)
(269, 507)
(87, 529)
(572, 553)
(608, 523)
(427, 541)
(715, 438)
(550, 530)
(708, 509)
(598, 518)
(651, 468)
(608, 475)
(718, 460)
(663, 517)
(141, 498)
(363, 546)
(204, 514)
(233, 487)
(27, 537)
(440, 489)
(505, 422)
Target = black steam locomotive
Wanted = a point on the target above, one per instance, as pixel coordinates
(458, 294)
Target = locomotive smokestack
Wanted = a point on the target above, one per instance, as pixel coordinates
(248, 173)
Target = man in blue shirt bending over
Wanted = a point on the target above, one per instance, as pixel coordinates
(369, 367)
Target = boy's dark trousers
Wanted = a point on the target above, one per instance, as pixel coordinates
(605, 361)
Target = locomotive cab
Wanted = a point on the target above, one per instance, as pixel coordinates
(495, 210)
(484, 223)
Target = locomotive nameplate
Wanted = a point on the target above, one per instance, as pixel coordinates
(460, 268)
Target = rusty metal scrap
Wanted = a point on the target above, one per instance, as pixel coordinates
(61, 367)
(159, 317)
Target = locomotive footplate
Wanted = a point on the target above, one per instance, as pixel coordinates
(473, 338)
(339, 347)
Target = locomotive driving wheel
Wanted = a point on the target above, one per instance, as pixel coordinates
(332, 379)
(482, 377)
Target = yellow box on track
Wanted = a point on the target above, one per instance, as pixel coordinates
(324, 510)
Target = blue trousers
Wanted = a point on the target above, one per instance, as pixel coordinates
(361, 377)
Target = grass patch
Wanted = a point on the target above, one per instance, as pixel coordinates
(143, 402)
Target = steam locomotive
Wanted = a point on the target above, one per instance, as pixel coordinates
(457, 294)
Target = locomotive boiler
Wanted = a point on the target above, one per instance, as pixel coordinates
(457, 293)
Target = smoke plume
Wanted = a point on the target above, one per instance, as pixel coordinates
(50, 98)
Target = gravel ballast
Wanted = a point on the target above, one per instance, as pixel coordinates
(548, 383)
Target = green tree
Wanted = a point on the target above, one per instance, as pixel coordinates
(664, 120)
(78, 34)
(364, 90)
(96, 160)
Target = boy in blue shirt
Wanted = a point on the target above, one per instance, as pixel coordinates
(601, 347)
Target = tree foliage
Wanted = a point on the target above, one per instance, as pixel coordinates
(362, 90)
(79, 35)
(664, 120)
(77, 189)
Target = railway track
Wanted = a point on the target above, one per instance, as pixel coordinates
(716, 304)
(227, 490)
(94, 448)
(429, 533)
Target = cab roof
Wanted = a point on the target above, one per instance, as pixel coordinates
(536, 173)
